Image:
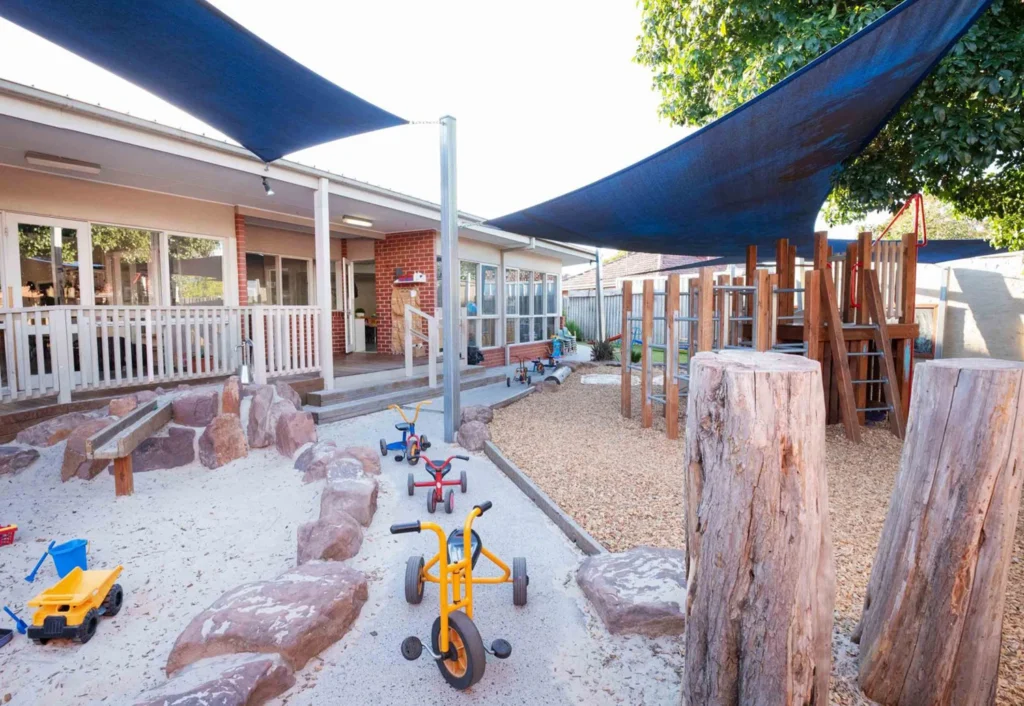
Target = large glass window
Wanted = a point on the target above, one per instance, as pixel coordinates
(478, 294)
(552, 285)
(197, 271)
(124, 265)
(531, 300)
(49, 265)
(276, 280)
(511, 293)
(294, 282)
(525, 276)
(489, 291)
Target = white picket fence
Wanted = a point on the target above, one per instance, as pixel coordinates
(66, 349)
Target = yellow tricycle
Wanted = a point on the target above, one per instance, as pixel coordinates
(455, 642)
(411, 445)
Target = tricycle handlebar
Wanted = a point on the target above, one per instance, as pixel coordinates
(484, 506)
(461, 457)
(403, 527)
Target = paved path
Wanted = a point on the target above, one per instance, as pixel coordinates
(561, 652)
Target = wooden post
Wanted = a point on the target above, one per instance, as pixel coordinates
(705, 310)
(812, 314)
(781, 270)
(625, 350)
(646, 338)
(749, 277)
(931, 628)
(761, 583)
(860, 363)
(774, 300)
(764, 311)
(124, 482)
(905, 354)
(671, 357)
(848, 275)
(736, 332)
(821, 250)
(721, 304)
(840, 363)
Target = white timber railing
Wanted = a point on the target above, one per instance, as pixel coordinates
(65, 349)
(416, 321)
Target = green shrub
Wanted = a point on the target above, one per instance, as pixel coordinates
(601, 351)
(575, 330)
(635, 356)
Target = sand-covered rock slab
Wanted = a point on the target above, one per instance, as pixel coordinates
(335, 538)
(228, 680)
(53, 431)
(472, 435)
(368, 457)
(196, 409)
(75, 463)
(287, 392)
(477, 413)
(14, 458)
(293, 431)
(641, 591)
(171, 451)
(222, 442)
(231, 396)
(297, 615)
(264, 411)
(351, 496)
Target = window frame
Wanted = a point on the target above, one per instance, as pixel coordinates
(514, 320)
(474, 321)
(279, 278)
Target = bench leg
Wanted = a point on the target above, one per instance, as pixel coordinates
(124, 483)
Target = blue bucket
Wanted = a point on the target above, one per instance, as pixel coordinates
(69, 555)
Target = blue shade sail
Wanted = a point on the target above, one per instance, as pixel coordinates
(763, 171)
(194, 56)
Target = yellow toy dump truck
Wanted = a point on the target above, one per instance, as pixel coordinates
(72, 607)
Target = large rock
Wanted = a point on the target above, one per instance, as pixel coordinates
(369, 458)
(75, 463)
(297, 615)
(344, 468)
(264, 411)
(351, 496)
(13, 458)
(196, 409)
(322, 456)
(231, 397)
(287, 392)
(53, 431)
(293, 431)
(472, 436)
(640, 591)
(477, 413)
(245, 679)
(120, 406)
(333, 539)
(222, 442)
(171, 451)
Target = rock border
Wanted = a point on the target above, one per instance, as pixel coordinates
(570, 528)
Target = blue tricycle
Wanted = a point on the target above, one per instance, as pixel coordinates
(411, 445)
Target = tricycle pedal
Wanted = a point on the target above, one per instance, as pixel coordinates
(399, 457)
(501, 649)
(412, 648)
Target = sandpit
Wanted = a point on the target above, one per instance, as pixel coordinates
(624, 485)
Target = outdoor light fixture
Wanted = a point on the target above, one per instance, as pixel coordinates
(266, 187)
(356, 221)
(49, 160)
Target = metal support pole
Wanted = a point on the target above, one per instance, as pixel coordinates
(450, 278)
(600, 299)
(322, 246)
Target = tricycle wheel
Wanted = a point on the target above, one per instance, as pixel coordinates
(508, 382)
(463, 482)
(424, 444)
(466, 659)
(113, 602)
(412, 451)
(88, 627)
(449, 502)
(431, 502)
(414, 580)
(529, 379)
(412, 485)
(383, 448)
(520, 580)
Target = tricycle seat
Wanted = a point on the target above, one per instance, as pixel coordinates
(432, 467)
(403, 426)
(455, 546)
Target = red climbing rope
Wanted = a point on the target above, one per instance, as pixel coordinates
(920, 227)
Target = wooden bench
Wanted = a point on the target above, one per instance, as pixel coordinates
(118, 441)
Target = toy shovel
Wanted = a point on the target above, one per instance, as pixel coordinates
(32, 576)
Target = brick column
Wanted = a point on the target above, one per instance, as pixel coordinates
(243, 277)
(413, 252)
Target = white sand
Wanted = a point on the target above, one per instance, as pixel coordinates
(185, 537)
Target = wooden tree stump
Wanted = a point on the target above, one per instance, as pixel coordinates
(761, 583)
(932, 622)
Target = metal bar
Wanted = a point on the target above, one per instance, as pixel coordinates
(862, 354)
(868, 382)
(875, 409)
(449, 277)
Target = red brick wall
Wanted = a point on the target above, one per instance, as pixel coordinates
(243, 291)
(413, 252)
(338, 318)
(495, 357)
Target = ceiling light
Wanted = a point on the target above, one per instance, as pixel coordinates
(356, 221)
(49, 160)
(266, 187)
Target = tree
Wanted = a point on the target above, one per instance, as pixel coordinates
(960, 137)
(943, 222)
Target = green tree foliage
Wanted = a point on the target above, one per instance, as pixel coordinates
(944, 223)
(960, 137)
(133, 244)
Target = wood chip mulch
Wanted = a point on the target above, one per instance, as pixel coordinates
(624, 484)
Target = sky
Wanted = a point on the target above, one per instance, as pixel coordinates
(545, 92)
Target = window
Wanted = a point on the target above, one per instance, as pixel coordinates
(478, 295)
(197, 271)
(124, 265)
(530, 305)
(275, 280)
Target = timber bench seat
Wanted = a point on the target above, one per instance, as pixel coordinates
(119, 440)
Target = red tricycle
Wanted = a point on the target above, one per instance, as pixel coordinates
(438, 470)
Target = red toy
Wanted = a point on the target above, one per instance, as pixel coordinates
(438, 470)
(7, 534)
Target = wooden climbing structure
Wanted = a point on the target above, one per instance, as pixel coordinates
(852, 311)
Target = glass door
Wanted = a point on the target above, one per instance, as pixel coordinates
(348, 302)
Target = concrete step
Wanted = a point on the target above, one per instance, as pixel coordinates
(356, 387)
(376, 403)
